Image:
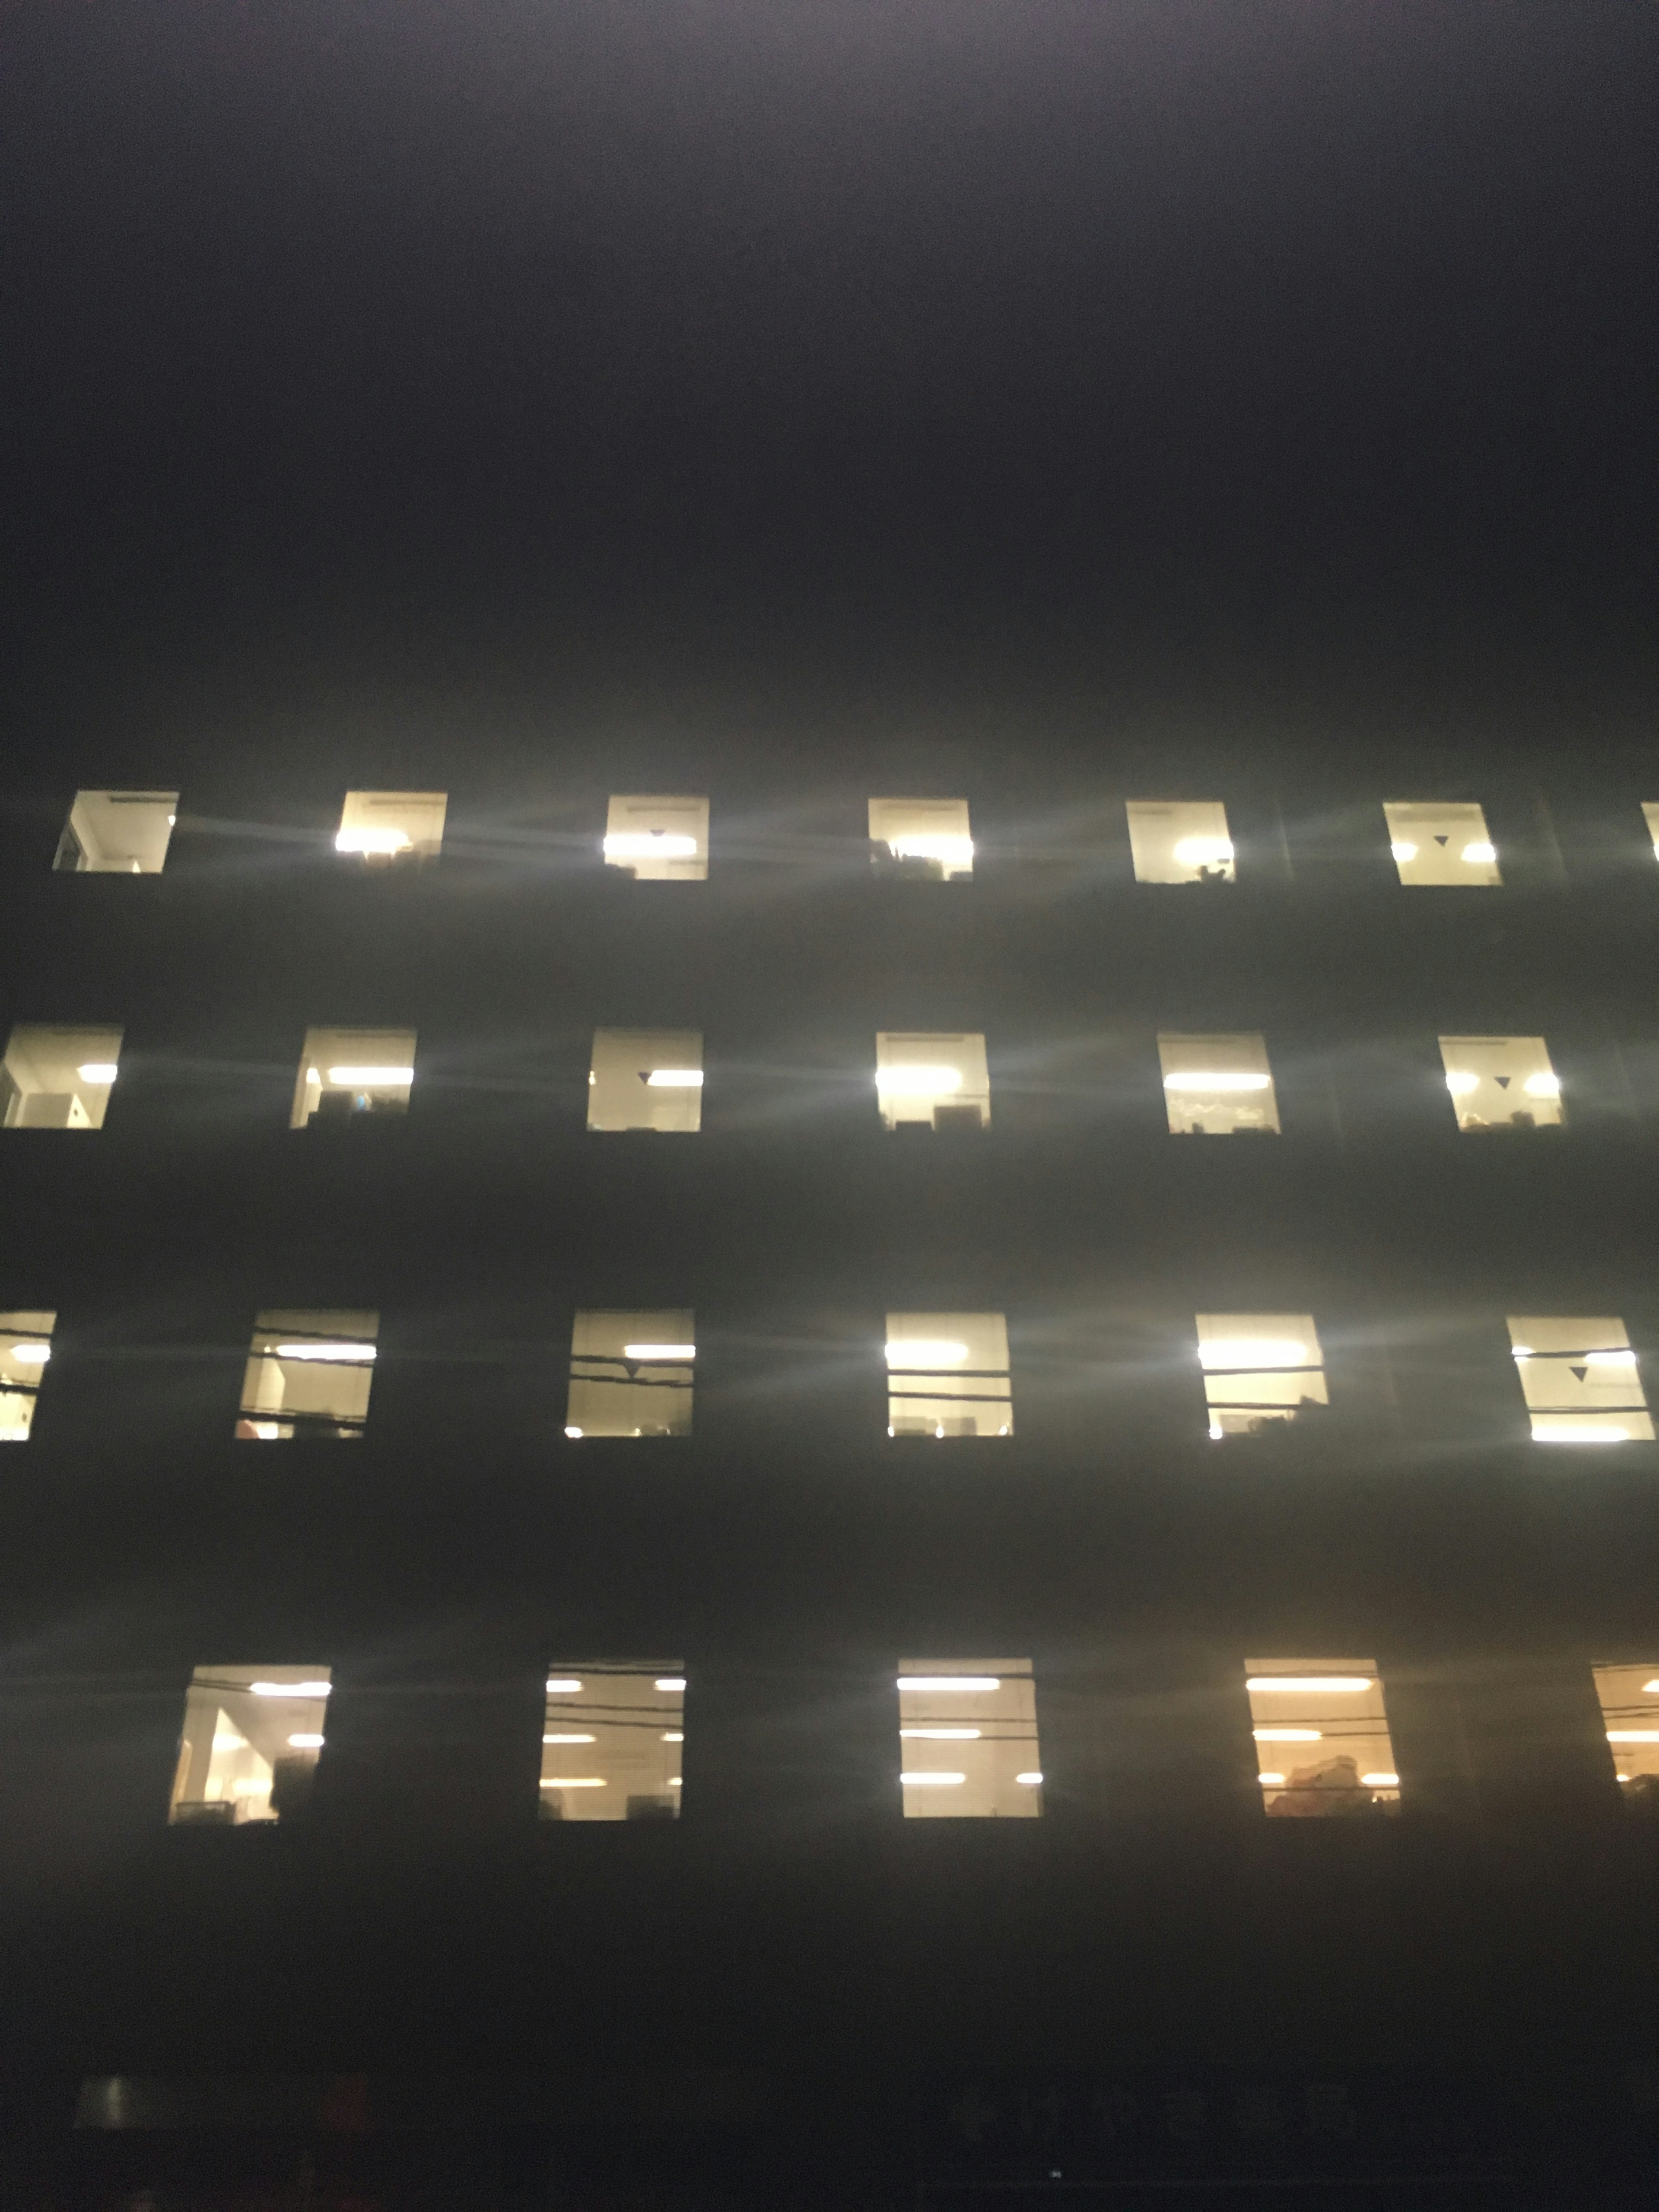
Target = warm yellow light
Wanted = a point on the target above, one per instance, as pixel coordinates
(1028, 1781)
(1576, 1432)
(1403, 849)
(673, 1735)
(955, 852)
(932, 1781)
(1288, 1735)
(974, 1682)
(1221, 1079)
(352, 1353)
(574, 1782)
(649, 844)
(674, 1078)
(1271, 1781)
(368, 1078)
(1337, 1685)
(305, 1742)
(1380, 1781)
(918, 1081)
(1460, 1081)
(941, 1735)
(1633, 1735)
(1203, 852)
(1481, 853)
(31, 1355)
(372, 841)
(569, 1738)
(925, 1351)
(1253, 1352)
(289, 1689)
(98, 1070)
(670, 1682)
(1542, 1086)
(659, 1352)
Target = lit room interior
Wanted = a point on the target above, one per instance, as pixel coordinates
(345, 1072)
(59, 1078)
(1650, 815)
(1580, 1379)
(968, 1740)
(1502, 1083)
(1321, 1737)
(657, 841)
(611, 1740)
(947, 1375)
(926, 838)
(307, 1375)
(25, 1348)
(646, 1079)
(250, 1745)
(931, 1082)
(1259, 1368)
(1441, 844)
(1180, 841)
(630, 1374)
(1217, 1086)
(1629, 1697)
(124, 833)
(380, 826)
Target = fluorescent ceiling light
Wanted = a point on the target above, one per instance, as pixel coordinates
(573, 1432)
(1338, 1684)
(1271, 1781)
(942, 1735)
(353, 1353)
(649, 844)
(932, 1781)
(670, 1682)
(1542, 1086)
(558, 1687)
(1029, 1781)
(289, 1689)
(1203, 852)
(925, 1351)
(1524, 1352)
(1403, 849)
(369, 1076)
(1633, 1735)
(305, 1742)
(659, 1352)
(1481, 853)
(227, 1740)
(31, 1355)
(1650, 1687)
(1224, 1078)
(97, 1071)
(674, 1078)
(1625, 1358)
(569, 1738)
(1253, 1352)
(372, 841)
(1575, 1432)
(1287, 1736)
(955, 852)
(1380, 1781)
(673, 1735)
(1460, 1081)
(978, 1683)
(918, 1081)
(574, 1782)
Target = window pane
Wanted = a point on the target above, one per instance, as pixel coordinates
(967, 1739)
(1321, 1737)
(931, 1082)
(611, 1740)
(947, 1375)
(343, 1073)
(922, 837)
(25, 1348)
(1629, 1713)
(308, 1374)
(646, 1079)
(659, 840)
(250, 1741)
(118, 833)
(1580, 1379)
(1441, 844)
(392, 825)
(59, 1078)
(1502, 1083)
(1217, 1086)
(1184, 843)
(1259, 1368)
(630, 1374)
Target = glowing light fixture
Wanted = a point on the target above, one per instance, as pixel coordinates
(942, 1735)
(674, 1078)
(368, 1078)
(1623, 1359)
(574, 1782)
(557, 1687)
(31, 1355)
(372, 841)
(932, 1781)
(955, 852)
(351, 1352)
(1029, 1781)
(1271, 1781)
(919, 1082)
(1633, 1735)
(1253, 1352)
(1221, 1079)
(649, 844)
(1480, 853)
(673, 1735)
(289, 1689)
(1380, 1781)
(1650, 1687)
(670, 1682)
(1460, 1081)
(1403, 849)
(1542, 1086)
(305, 1742)
(1579, 1432)
(1288, 1735)
(659, 1352)
(97, 1071)
(1313, 1684)
(978, 1684)
(1203, 852)
(569, 1738)
(573, 1432)
(925, 1351)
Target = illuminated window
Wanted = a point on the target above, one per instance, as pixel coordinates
(1441, 844)
(1579, 1378)
(923, 837)
(25, 1348)
(347, 1071)
(947, 1375)
(1183, 843)
(646, 1079)
(250, 1745)
(630, 1375)
(118, 833)
(1217, 1086)
(1629, 1713)
(382, 826)
(1322, 1738)
(931, 1082)
(59, 1078)
(968, 1740)
(307, 1375)
(659, 840)
(1259, 1368)
(1650, 815)
(611, 1740)
(1502, 1083)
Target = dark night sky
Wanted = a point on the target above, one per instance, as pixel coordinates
(393, 375)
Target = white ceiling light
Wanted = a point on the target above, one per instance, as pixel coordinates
(1650, 1687)
(1028, 1781)
(1480, 853)
(932, 1781)
(350, 1352)
(573, 1432)
(1633, 1735)
(925, 1351)
(979, 1683)
(649, 844)
(955, 852)
(1625, 1358)
(659, 1352)
(368, 1077)
(1203, 852)
(1380, 1781)
(307, 1741)
(673, 1735)
(31, 1355)
(674, 1078)
(1579, 1432)
(671, 1682)
(559, 1685)
(1221, 1079)
(1460, 1081)
(289, 1689)
(569, 1738)
(98, 1070)
(918, 1081)
(1271, 1781)
(1287, 1736)
(1542, 1086)
(574, 1782)
(942, 1735)
(372, 841)
(1403, 849)
(1337, 1685)
(1253, 1352)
